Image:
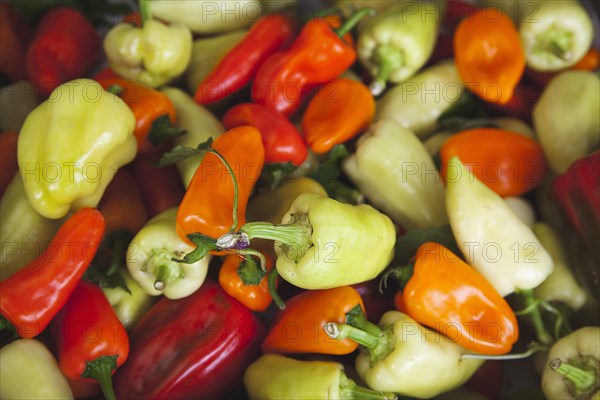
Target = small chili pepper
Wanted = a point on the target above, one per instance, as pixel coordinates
(269, 34)
(65, 46)
(154, 112)
(282, 141)
(318, 55)
(336, 113)
(8, 154)
(31, 297)
(84, 355)
(489, 55)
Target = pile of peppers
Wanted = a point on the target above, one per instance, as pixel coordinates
(342, 199)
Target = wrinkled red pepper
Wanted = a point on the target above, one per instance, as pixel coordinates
(271, 33)
(32, 296)
(66, 45)
(92, 343)
(282, 141)
(197, 347)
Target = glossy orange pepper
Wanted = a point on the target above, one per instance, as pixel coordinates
(147, 105)
(207, 206)
(488, 55)
(337, 112)
(509, 163)
(450, 296)
(299, 328)
(246, 282)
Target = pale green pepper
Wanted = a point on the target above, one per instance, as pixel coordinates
(71, 146)
(522, 209)
(418, 103)
(29, 371)
(16, 102)
(24, 233)
(150, 259)
(401, 356)
(129, 306)
(513, 124)
(395, 44)
(277, 377)
(152, 55)
(199, 123)
(492, 238)
(567, 120)
(395, 172)
(434, 143)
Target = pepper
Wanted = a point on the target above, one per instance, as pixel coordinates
(267, 35)
(318, 55)
(557, 36)
(154, 112)
(151, 55)
(16, 102)
(8, 153)
(32, 296)
(417, 104)
(150, 259)
(306, 314)
(196, 347)
(15, 37)
(489, 55)
(395, 172)
(277, 377)
(561, 286)
(513, 124)
(490, 236)
(395, 44)
(337, 112)
(28, 370)
(80, 356)
(243, 279)
(65, 46)
(573, 371)
(199, 124)
(566, 118)
(508, 163)
(400, 356)
(130, 306)
(448, 295)
(282, 141)
(64, 165)
(522, 209)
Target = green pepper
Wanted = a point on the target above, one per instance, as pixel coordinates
(396, 173)
(493, 239)
(513, 124)
(395, 44)
(200, 125)
(16, 102)
(152, 55)
(401, 356)
(29, 371)
(277, 377)
(129, 305)
(434, 143)
(150, 259)
(417, 104)
(71, 146)
(573, 371)
(566, 118)
(522, 209)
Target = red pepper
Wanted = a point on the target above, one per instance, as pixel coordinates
(15, 36)
(269, 34)
(92, 343)
(282, 141)
(196, 347)
(66, 46)
(317, 56)
(32, 296)
(376, 303)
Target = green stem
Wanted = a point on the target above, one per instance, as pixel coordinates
(272, 281)
(356, 318)
(345, 193)
(353, 20)
(117, 90)
(250, 272)
(532, 350)
(533, 311)
(345, 331)
(388, 59)
(101, 370)
(349, 390)
(555, 41)
(581, 379)
(145, 10)
(235, 187)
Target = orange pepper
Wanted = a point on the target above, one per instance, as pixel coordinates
(509, 163)
(335, 22)
(488, 55)
(338, 112)
(147, 105)
(8, 155)
(589, 62)
(450, 296)
(207, 206)
(299, 328)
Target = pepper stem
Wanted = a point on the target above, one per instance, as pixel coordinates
(533, 311)
(581, 380)
(353, 20)
(117, 90)
(345, 193)
(235, 186)
(145, 13)
(388, 59)
(349, 390)
(556, 42)
(272, 281)
(101, 370)
(345, 331)
(161, 265)
(504, 357)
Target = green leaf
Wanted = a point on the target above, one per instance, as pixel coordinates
(104, 269)
(162, 130)
(204, 245)
(468, 105)
(407, 245)
(179, 153)
(273, 174)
